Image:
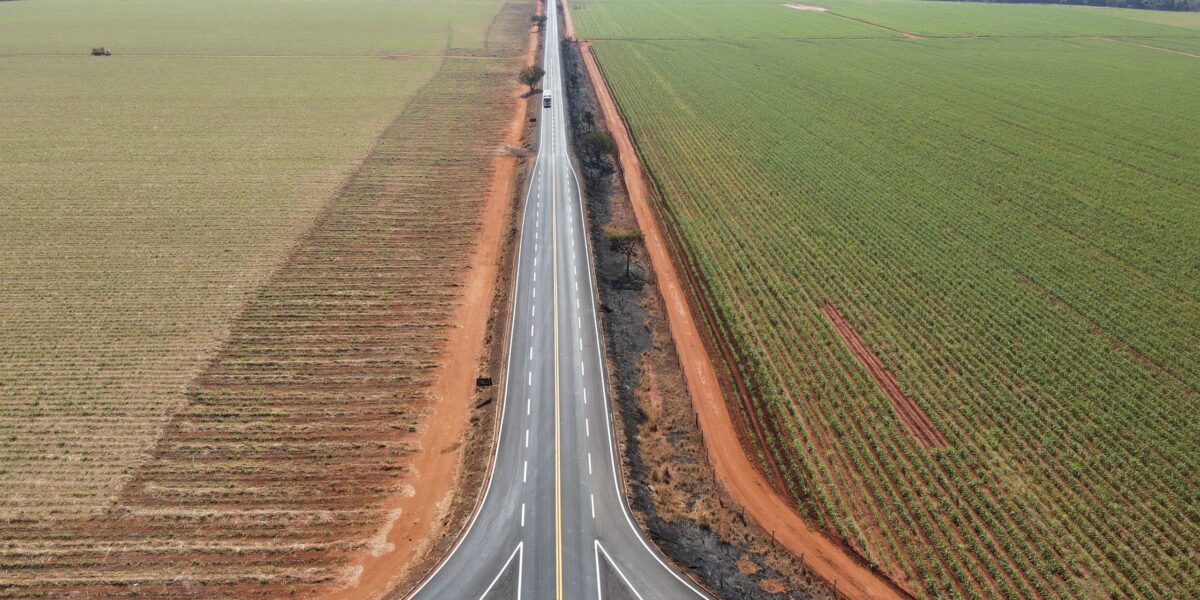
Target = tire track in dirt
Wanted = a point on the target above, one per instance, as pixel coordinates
(734, 470)
(910, 414)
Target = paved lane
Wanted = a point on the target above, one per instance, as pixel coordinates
(553, 523)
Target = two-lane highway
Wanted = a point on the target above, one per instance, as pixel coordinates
(553, 522)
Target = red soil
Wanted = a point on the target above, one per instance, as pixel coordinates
(910, 414)
(570, 25)
(435, 469)
(734, 470)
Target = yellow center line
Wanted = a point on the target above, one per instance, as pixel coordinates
(558, 579)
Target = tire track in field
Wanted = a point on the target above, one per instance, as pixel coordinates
(1160, 49)
(910, 414)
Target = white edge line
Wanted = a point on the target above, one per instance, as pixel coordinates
(604, 391)
(596, 553)
(612, 564)
(518, 550)
(504, 397)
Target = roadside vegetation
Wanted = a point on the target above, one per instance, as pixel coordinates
(958, 275)
(222, 306)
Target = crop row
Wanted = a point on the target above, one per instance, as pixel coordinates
(1013, 246)
(279, 466)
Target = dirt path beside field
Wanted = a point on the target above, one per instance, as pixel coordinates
(734, 470)
(419, 522)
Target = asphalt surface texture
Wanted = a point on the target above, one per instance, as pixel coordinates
(553, 523)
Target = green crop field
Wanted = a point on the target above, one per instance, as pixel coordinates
(944, 18)
(164, 217)
(606, 19)
(959, 277)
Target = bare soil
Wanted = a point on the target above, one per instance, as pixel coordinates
(914, 419)
(750, 492)
(808, 7)
(449, 471)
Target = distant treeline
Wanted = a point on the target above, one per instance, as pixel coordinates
(1148, 4)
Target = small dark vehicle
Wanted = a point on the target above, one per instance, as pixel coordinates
(101, 52)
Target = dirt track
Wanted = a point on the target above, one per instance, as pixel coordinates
(734, 470)
(419, 521)
(910, 413)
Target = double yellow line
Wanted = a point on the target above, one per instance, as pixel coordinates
(558, 570)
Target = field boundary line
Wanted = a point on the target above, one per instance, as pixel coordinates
(1120, 40)
(733, 469)
(911, 36)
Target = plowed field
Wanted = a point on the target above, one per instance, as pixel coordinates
(227, 276)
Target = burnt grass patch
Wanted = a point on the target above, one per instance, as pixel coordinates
(694, 525)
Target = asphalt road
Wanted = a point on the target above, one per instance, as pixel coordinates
(553, 523)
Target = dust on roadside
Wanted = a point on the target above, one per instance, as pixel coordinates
(672, 489)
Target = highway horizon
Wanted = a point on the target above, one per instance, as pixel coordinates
(553, 522)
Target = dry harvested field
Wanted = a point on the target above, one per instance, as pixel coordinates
(228, 262)
(953, 257)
